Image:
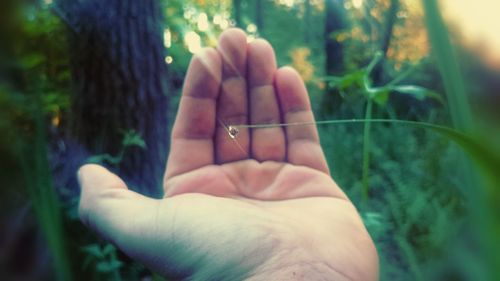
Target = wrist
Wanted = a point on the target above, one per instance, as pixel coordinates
(300, 256)
(295, 263)
(299, 271)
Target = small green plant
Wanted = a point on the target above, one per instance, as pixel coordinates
(131, 138)
(104, 259)
(360, 81)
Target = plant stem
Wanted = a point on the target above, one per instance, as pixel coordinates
(366, 149)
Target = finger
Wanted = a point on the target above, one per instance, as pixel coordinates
(110, 209)
(193, 131)
(302, 141)
(266, 143)
(232, 103)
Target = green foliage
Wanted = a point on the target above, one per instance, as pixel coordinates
(359, 81)
(410, 217)
(131, 138)
(418, 92)
(105, 260)
(31, 93)
(418, 213)
(46, 206)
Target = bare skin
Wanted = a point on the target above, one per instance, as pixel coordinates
(259, 207)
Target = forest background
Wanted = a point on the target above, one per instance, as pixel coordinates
(99, 81)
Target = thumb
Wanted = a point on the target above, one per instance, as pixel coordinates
(107, 206)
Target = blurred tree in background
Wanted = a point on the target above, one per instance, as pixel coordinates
(335, 23)
(100, 81)
(120, 81)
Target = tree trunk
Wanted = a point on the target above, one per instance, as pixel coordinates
(307, 21)
(334, 22)
(259, 19)
(389, 26)
(237, 13)
(385, 42)
(120, 83)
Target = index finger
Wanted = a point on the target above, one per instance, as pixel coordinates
(192, 144)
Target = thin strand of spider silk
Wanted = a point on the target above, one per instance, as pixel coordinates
(229, 134)
(344, 121)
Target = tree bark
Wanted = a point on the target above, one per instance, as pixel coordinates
(307, 21)
(389, 26)
(259, 19)
(237, 13)
(385, 41)
(334, 22)
(120, 83)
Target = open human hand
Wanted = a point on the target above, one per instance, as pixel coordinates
(261, 206)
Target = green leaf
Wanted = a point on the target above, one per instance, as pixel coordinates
(108, 249)
(379, 96)
(104, 158)
(417, 92)
(93, 250)
(487, 157)
(108, 266)
(32, 60)
(53, 101)
(346, 81)
(355, 78)
(133, 138)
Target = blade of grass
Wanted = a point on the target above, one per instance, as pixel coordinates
(480, 204)
(444, 54)
(45, 203)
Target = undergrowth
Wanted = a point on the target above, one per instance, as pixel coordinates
(415, 210)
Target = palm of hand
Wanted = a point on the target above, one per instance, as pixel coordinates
(261, 206)
(299, 208)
